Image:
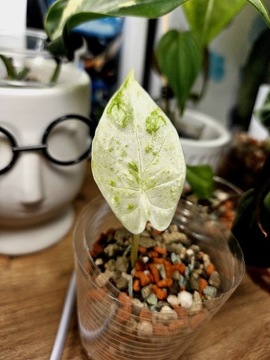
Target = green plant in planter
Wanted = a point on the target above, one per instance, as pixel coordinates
(64, 15)
(137, 161)
(182, 55)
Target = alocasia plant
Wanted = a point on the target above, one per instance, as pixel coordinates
(137, 160)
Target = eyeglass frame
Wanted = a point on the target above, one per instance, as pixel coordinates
(43, 147)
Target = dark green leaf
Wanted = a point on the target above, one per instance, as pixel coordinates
(201, 180)
(178, 56)
(207, 18)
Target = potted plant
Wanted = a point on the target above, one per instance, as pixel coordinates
(45, 132)
(140, 289)
(205, 21)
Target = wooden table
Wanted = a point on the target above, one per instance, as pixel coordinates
(33, 290)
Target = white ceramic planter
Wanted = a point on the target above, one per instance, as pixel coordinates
(36, 195)
(212, 143)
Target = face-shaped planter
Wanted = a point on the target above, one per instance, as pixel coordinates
(44, 143)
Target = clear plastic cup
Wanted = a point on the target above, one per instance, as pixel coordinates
(110, 328)
(28, 52)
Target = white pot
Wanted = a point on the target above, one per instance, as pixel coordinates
(211, 145)
(36, 195)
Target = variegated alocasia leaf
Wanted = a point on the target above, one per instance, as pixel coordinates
(137, 159)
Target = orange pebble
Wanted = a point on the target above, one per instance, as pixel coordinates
(176, 325)
(165, 282)
(160, 293)
(142, 250)
(168, 269)
(160, 329)
(202, 284)
(124, 298)
(179, 267)
(96, 250)
(123, 313)
(136, 285)
(144, 279)
(160, 250)
(154, 272)
(145, 314)
(159, 260)
(210, 268)
(153, 254)
(151, 277)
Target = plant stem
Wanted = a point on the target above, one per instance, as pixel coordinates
(56, 72)
(134, 249)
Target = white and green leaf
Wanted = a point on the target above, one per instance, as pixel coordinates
(137, 159)
(70, 13)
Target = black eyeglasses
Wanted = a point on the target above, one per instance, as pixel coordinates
(66, 141)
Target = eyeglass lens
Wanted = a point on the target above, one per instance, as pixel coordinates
(6, 152)
(68, 140)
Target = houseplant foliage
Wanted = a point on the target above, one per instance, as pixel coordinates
(206, 19)
(64, 15)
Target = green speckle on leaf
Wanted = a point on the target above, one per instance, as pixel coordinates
(123, 153)
(154, 121)
(148, 148)
(112, 183)
(133, 166)
(134, 170)
(130, 207)
(116, 199)
(149, 184)
(121, 112)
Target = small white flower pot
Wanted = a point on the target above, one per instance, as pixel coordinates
(211, 145)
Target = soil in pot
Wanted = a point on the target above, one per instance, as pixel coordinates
(154, 310)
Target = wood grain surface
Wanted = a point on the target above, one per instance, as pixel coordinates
(33, 290)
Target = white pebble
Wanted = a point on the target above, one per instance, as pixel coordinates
(144, 328)
(168, 313)
(185, 299)
(189, 252)
(103, 278)
(145, 259)
(137, 302)
(173, 300)
(99, 261)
